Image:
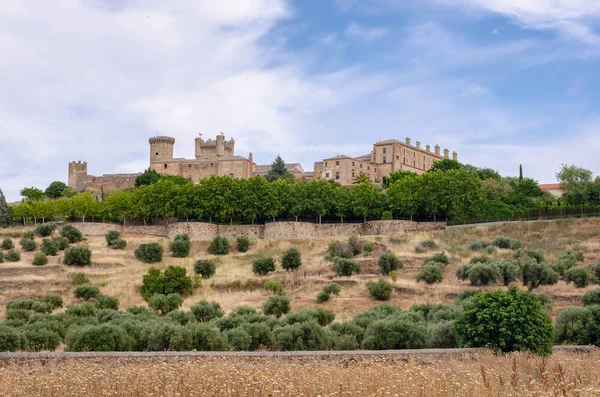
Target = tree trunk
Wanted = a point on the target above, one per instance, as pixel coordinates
(319, 219)
(296, 216)
(411, 219)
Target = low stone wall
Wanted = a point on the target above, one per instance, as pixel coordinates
(205, 231)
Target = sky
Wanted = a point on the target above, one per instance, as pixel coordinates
(502, 82)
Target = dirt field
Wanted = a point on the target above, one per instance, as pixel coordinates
(437, 373)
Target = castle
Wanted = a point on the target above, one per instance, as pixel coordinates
(217, 157)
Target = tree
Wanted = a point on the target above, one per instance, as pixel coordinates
(366, 200)
(396, 176)
(277, 170)
(32, 193)
(362, 178)
(576, 182)
(6, 215)
(520, 172)
(404, 196)
(55, 189)
(507, 321)
(445, 165)
(148, 177)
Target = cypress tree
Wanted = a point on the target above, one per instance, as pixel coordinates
(277, 169)
(520, 172)
(5, 212)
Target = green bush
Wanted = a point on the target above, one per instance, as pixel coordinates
(339, 250)
(243, 244)
(163, 304)
(99, 338)
(529, 254)
(387, 216)
(112, 235)
(577, 326)
(20, 303)
(263, 266)
(535, 274)
(592, 297)
(277, 306)
(180, 246)
(72, 233)
(149, 253)
(343, 267)
(18, 314)
(344, 342)
(205, 311)
(107, 302)
(466, 294)
(80, 279)
(62, 242)
(118, 244)
(501, 242)
(507, 321)
(40, 259)
(12, 256)
(389, 262)
(1, 257)
(323, 316)
(509, 271)
(478, 245)
(368, 246)
(393, 333)
(325, 294)
(380, 290)
(291, 259)
(428, 244)
(565, 262)
(274, 286)
(515, 245)
(483, 274)
(205, 267)
(304, 336)
(38, 338)
(54, 300)
(439, 257)
(49, 247)
(78, 256)
(45, 229)
(180, 317)
(441, 335)
(239, 339)
(7, 244)
(219, 246)
(28, 235)
(11, 339)
(420, 250)
(355, 245)
(28, 244)
(172, 280)
(579, 276)
(595, 272)
(84, 310)
(86, 292)
(433, 272)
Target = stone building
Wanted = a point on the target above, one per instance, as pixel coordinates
(292, 168)
(386, 157)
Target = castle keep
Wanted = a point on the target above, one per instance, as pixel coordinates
(217, 157)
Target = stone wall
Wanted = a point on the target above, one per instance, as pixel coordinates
(206, 231)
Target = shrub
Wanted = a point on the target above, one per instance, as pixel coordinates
(1, 257)
(545, 301)
(172, 280)
(368, 246)
(304, 336)
(344, 342)
(205, 267)
(12, 256)
(345, 267)
(37, 338)
(243, 244)
(239, 339)
(339, 250)
(78, 256)
(163, 304)
(564, 262)
(11, 339)
(395, 332)
(433, 272)
(28, 235)
(263, 266)
(592, 297)
(529, 254)
(49, 247)
(180, 246)
(393, 275)
(483, 274)
(118, 244)
(149, 253)
(507, 321)
(45, 229)
(501, 242)
(107, 302)
(40, 259)
(72, 233)
(595, 271)
(277, 306)
(80, 279)
(86, 292)
(100, 338)
(7, 244)
(62, 242)
(112, 235)
(439, 257)
(389, 262)
(291, 259)
(180, 317)
(55, 300)
(466, 294)
(219, 246)
(509, 271)
(428, 244)
(577, 325)
(325, 294)
(84, 310)
(355, 245)
(515, 245)
(420, 250)
(380, 290)
(18, 314)
(535, 274)
(387, 216)
(578, 276)
(478, 245)
(20, 303)
(323, 316)
(274, 286)
(205, 311)
(28, 244)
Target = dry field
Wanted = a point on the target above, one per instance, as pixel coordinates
(479, 374)
(119, 274)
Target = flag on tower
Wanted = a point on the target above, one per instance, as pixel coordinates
(222, 133)
(200, 134)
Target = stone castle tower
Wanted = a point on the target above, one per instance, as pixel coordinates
(78, 175)
(161, 148)
(207, 150)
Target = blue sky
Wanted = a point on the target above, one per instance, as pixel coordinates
(502, 82)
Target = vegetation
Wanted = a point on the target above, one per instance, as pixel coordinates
(345, 267)
(243, 244)
(114, 240)
(277, 305)
(78, 256)
(291, 259)
(28, 244)
(274, 286)
(592, 297)
(180, 246)
(325, 294)
(45, 229)
(72, 233)
(7, 244)
(205, 268)
(432, 272)
(149, 253)
(86, 292)
(263, 266)
(380, 290)
(219, 246)
(12, 256)
(171, 280)
(388, 262)
(6, 214)
(165, 303)
(50, 247)
(40, 259)
(80, 279)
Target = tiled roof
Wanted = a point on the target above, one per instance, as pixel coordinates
(549, 186)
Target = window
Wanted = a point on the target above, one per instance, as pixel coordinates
(327, 175)
(404, 160)
(189, 165)
(414, 155)
(165, 166)
(337, 163)
(397, 157)
(361, 166)
(337, 175)
(326, 164)
(352, 174)
(414, 163)
(384, 159)
(423, 167)
(353, 163)
(404, 151)
(189, 178)
(157, 153)
(368, 168)
(384, 149)
(231, 174)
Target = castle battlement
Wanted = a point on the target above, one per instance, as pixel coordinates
(162, 139)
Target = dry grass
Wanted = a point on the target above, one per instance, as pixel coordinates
(563, 374)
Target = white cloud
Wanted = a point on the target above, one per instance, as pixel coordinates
(365, 33)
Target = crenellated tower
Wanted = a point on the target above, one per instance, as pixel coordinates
(78, 175)
(214, 149)
(161, 148)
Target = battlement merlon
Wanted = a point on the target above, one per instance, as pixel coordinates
(162, 139)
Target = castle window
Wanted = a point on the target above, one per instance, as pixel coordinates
(337, 163)
(165, 166)
(404, 151)
(353, 163)
(157, 153)
(353, 174)
(404, 160)
(326, 164)
(423, 167)
(397, 157)
(337, 175)
(361, 166)
(368, 168)
(189, 165)
(231, 174)
(384, 159)
(384, 149)
(327, 175)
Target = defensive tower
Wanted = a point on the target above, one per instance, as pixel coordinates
(78, 175)
(161, 148)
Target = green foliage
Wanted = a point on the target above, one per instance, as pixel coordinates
(163, 304)
(86, 309)
(566, 261)
(78, 256)
(148, 177)
(243, 244)
(515, 245)
(303, 336)
(40, 259)
(149, 253)
(12, 256)
(509, 271)
(339, 250)
(291, 259)
(345, 267)
(380, 290)
(239, 339)
(439, 257)
(45, 229)
(276, 305)
(219, 246)
(54, 300)
(466, 294)
(205, 311)
(72, 233)
(529, 254)
(393, 275)
(355, 245)
(368, 247)
(389, 262)
(1, 257)
(507, 321)
(38, 338)
(62, 242)
(325, 294)
(50, 247)
(394, 332)
(323, 316)
(263, 266)
(420, 250)
(579, 276)
(172, 280)
(6, 215)
(205, 268)
(11, 339)
(32, 194)
(535, 274)
(432, 272)
(118, 244)
(445, 165)
(577, 326)
(101, 338)
(591, 297)
(441, 335)
(106, 302)
(7, 244)
(80, 279)
(274, 286)
(501, 242)
(483, 274)
(180, 247)
(56, 189)
(478, 245)
(28, 235)
(387, 216)
(595, 272)
(86, 292)
(111, 236)
(277, 170)
(28, 244)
